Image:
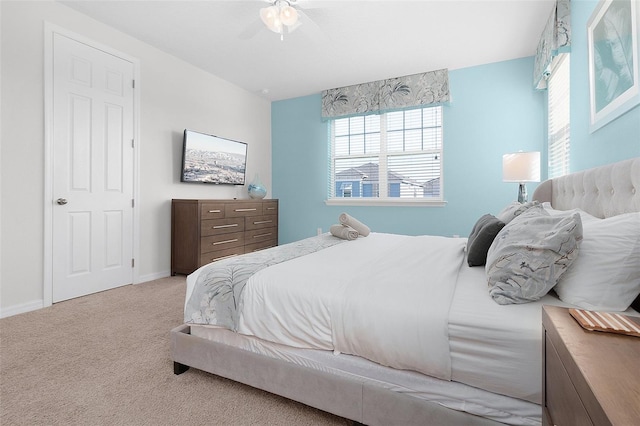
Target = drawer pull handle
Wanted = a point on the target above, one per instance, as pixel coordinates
(271, 208)
(224, 226)
(245, 210)
(214, 211)
(262, 235)
(260, 222)
(223, 257)
(224, 242)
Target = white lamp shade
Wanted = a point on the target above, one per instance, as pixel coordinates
(521, 167)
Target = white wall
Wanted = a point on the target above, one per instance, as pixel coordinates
(173, 95)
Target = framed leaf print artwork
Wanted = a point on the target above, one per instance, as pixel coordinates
(612, 36)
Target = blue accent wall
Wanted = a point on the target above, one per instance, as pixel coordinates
(494, 110)
(616, 141)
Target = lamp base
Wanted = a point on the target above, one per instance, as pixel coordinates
(522, 193)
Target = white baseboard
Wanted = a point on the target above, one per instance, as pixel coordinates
(39, 304)
(21, 309)
(151, 277)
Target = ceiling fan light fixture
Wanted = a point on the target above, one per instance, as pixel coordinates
(271, 18)
(289, 15)
(279, 15)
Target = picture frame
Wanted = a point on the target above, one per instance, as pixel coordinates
(612, 38)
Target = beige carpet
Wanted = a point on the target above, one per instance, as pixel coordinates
(104, 359)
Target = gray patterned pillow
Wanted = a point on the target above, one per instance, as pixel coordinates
(530, 254)
(515, 209)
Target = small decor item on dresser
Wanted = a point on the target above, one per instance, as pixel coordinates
(256, 188)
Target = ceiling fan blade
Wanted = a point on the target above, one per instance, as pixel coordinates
(311, 27)
(252, 30)
(306, 4)
(292, 28)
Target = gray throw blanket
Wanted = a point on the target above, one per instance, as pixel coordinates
(217, 295)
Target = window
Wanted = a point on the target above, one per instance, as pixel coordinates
(559, 113)
(392, 157)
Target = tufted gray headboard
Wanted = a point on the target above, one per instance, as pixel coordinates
(602, 191)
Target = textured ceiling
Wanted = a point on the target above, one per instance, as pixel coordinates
(339, 42)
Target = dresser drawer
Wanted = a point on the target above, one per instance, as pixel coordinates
(220, 242)
(260, 222)
(561, 398)
(221, 226)
(261, 235)
(220, 254)
(249, 248)
(270, 207)
(212, 210)
(243, 209)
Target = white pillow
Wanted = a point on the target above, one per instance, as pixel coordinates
(606, 274)
(553, 212)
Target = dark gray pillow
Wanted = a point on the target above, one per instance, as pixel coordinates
(481, 237)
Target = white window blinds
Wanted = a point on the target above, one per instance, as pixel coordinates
(559, 117)
(396, 156)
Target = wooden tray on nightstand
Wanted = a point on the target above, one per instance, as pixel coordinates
(607, 322)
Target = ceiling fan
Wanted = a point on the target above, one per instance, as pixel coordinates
(282, 17)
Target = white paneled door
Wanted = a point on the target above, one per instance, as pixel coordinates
(93, 122)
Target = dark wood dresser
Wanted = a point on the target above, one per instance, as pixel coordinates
(589, 377)
(206, 230)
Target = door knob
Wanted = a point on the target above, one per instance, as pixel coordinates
(61, 201)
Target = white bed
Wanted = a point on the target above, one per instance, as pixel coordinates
(492, 372)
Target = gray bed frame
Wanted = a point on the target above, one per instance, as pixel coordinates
(604, 191)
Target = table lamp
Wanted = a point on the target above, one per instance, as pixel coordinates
(521, 167)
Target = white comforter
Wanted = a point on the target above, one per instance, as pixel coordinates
(384, 297)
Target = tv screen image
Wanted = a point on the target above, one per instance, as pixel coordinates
(212, 159)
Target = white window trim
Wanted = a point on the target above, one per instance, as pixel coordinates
(383, 202)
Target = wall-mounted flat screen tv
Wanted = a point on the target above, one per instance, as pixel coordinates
(212, 159)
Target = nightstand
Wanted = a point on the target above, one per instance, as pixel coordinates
(589, 377)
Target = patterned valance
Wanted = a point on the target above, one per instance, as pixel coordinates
(429, 88)
(555, 39)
